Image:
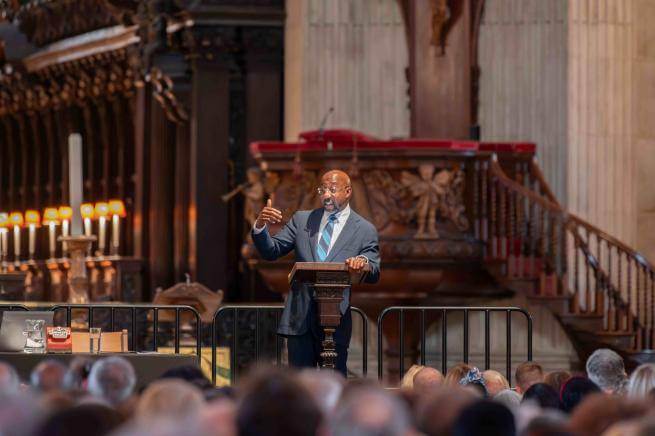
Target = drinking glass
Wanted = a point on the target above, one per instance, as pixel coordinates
(95, 338)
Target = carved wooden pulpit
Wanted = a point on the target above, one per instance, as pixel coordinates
(328, 280)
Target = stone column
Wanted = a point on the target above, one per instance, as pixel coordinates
(351, 55)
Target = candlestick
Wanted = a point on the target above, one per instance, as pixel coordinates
(16, 244)
(75, 178)
(52, 238)
(102, 221)
(65, 214)
(4, 248)
(33, 219)
(87, 227)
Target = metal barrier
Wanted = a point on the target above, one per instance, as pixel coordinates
(277, 310)
(14, 307)
(90, 308)
(444, 330)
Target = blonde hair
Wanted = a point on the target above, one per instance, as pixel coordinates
(408, 379)
(169, 398)
(642, 381)
(456, 373)
(495, 381)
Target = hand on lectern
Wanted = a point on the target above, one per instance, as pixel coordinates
(356, 264)
(268, 215)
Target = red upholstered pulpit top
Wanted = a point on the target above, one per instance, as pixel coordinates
(345, 139)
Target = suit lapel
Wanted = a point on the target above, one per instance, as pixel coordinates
(347, 233)
(313, 224)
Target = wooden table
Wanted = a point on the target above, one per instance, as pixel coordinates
(148, 366)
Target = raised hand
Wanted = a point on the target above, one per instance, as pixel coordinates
(268, 214)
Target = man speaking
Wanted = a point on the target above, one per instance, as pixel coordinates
(332, 233)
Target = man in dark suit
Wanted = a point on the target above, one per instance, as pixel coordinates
(332, 233)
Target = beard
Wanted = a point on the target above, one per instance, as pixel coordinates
(330, 205)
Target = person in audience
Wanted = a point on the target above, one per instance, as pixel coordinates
(85, 419)
(606, 369)
(641, 381)
(436, 412)
(218, 418)
(407, 381)
(325, 387)
(9, 381)
(426, 380)
(112, 379)
(556, 379)
(455, 374)
(598, 411)
(495, 382)
(189, 373)
(48, 375)
(21, 413)
(169, 398)
(473, 380)
(371, 412)
(78, 373)
(574, 391)
(527, 374)
(543, 395)
(508, 398)
(485, 418)
(275, 403)
(546, 424)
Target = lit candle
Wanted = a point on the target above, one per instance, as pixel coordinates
(75, 179)
(51, 219)
(86, 211)
(4, 247)
(65, 213)
(101, 211)
(16, 221)
(33, 220)
(117, 211)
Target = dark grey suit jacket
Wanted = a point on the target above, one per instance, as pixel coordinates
(358, 237)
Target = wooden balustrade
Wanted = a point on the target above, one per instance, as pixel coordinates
(537, 238)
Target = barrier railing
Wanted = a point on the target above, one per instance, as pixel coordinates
(276, 310)
(16, 307)
(133, 309)
(401, 310)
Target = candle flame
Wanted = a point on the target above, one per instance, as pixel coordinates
(4, 220)
(33, 218)
(65, 212)
(50, 216)
(117, 207)
(101, 209)
(86, 209)
(16, 219)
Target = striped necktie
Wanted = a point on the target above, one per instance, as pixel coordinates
(324, 243)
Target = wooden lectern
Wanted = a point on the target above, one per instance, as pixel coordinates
(329, 280)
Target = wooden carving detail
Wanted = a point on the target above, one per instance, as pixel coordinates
(444, 15)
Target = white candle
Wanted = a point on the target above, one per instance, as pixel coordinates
(115, 233)
(16, 243)
(32, 240)
(87, 226)
(53, 247)
(64, 233)
(102, 222)
(4, 248)
(75, 179)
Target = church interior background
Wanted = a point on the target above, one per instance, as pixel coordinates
(503, 149)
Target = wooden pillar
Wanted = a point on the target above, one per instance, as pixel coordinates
(208, 224)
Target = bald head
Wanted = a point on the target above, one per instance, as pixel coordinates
(426, 380)
(335, 190)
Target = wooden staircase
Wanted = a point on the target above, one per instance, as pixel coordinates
(602, 291)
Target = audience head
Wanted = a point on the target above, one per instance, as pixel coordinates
(455, 374)
(606, 369)
(426, 380)
(48, 375)
(574, 391)
(556, 379)
(474, 380)
(598, 411)
(436, 412)
(169, 398)
(270, 395)
(325, 387)
(543, 395)
(21, 413)
(495, 382)
(371, 412)
(189, 373)
(218, 418)
(642, 381)
(9, 381)
(508, 398)
(113, 379)
(408, 379)
(485, 418)
(86, 419)
(527, 374)
(78, 373)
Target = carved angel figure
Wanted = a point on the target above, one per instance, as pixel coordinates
(430, 189)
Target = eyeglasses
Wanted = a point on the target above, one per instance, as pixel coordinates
(332, 190)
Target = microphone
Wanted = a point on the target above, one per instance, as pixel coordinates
(321, 127)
